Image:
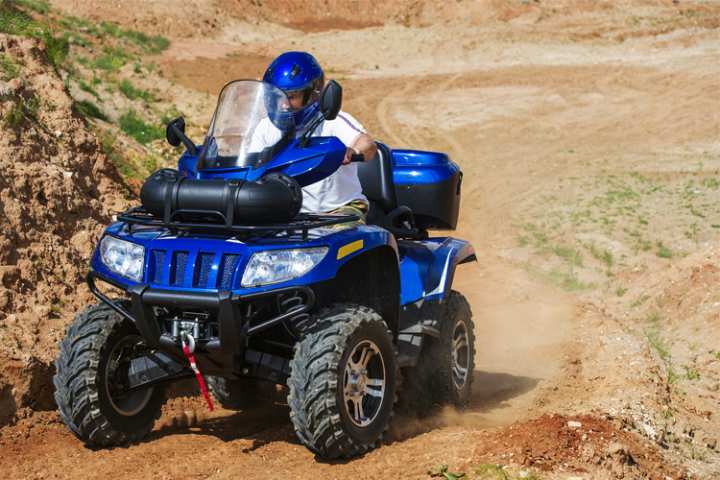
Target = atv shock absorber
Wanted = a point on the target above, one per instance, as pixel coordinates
(293, 301)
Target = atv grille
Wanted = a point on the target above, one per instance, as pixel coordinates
(177, 274)
(227, 268)
(157, 263)
(202, 270)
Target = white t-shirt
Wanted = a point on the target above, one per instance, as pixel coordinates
(340, 188)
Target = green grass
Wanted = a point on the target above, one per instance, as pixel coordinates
(89, 109)
(23, 109)
(691, 373)
(14, 21)
(132, 124)
(75, 39)
(663, 251)
(639, 301)
(491, 471)
(111, 60)
(39, 6)
(442, 472)
(605, 256)
(569, 254)
(129, 90)
(77, 24)
(149, 44)
(656, 341)
(57, 48)
(8, 68)
(85, 87)
(17, 22)
(620, 291)
(107, 145)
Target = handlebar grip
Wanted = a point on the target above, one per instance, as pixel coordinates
(357, 157)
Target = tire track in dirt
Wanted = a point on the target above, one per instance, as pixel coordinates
(515, 351)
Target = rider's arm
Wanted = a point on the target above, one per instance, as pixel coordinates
(354, 136)
(363, 144)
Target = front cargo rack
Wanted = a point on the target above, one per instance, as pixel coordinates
(213, 221)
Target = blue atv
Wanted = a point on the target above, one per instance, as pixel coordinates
(223, 278)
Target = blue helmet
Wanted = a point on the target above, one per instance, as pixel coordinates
(298, 72)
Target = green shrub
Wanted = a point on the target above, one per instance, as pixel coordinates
(132, 124)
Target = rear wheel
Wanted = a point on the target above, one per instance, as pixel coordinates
(343, 381)
(91, 379)
(444, 373)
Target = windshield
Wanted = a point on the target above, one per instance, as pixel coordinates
(252, 122)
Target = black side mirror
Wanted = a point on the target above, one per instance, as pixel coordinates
(175, 135)
(331, 100)
(175, 128)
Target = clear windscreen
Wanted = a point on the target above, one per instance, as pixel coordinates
(251, 122)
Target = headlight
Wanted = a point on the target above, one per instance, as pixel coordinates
(124, 258)
(275, 266)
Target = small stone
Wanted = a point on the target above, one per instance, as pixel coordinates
(711, 443)
(615, 447)
(574, 424)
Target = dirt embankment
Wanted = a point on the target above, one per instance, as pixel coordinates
(56, 192)
(587, 131)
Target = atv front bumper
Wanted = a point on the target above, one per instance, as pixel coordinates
(225, 350)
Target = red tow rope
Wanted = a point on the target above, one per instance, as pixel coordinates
(189, 354)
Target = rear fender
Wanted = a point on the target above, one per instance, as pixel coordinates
(427, 271)
(427, 268)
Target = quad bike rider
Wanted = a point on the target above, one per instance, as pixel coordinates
(222, 277)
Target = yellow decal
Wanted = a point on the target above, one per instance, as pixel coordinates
(351, 247)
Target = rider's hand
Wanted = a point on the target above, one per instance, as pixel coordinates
(349, 152)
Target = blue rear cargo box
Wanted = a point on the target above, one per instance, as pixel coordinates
(429, 183)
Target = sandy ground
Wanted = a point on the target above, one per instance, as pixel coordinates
(546, 109)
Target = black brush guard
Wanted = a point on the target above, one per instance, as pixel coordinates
(226, 353)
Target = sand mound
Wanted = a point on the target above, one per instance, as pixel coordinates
(57, 190)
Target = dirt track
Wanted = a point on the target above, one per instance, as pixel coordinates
(539, 108)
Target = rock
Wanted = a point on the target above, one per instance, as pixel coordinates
(615, 448)
(711, 443)
(574, 424)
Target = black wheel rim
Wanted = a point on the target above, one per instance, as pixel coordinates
(127, 404)
(364, 384)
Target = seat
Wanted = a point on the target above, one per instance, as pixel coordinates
(376, 179)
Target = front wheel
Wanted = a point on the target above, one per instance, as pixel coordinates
(92, 376)
(343, 382)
